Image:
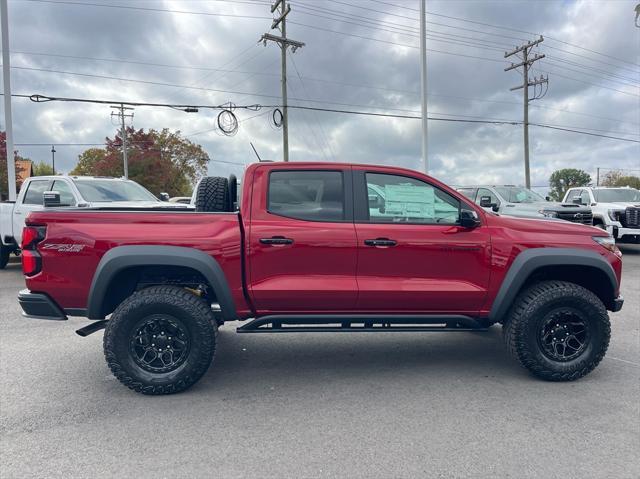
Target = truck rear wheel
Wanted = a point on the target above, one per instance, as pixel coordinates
(4, 256)
(160, 340)
(558, 330)
(214, 194)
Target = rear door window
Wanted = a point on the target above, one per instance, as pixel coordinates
(33, 196)
(307, 195)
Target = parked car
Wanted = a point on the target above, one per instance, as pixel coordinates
(310, 250)
(615, 209)
(74, 192)
(525, 203)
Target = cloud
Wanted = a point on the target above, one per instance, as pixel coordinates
(339, 72)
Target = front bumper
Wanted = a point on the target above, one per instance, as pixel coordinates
(619, 231)
(617, 304)
(39, 306)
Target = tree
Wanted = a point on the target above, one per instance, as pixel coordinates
(4, 187)
(161, 161)
(617, 178)
(87, 161)
(561, 180)
(42, 169)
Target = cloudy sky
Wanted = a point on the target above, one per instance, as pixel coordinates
(360, 55)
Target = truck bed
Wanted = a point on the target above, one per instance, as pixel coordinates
(77, 240)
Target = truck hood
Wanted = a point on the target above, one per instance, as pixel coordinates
(543, 226)
(531, 210)
(617, 206)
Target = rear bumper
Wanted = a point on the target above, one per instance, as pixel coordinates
(39, 306)
(617, 304)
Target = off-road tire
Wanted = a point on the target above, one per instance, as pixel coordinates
(213, 195)
(192, 312)
(521, 329)
(4, 256)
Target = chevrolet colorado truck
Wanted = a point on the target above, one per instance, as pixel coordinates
(309, 249)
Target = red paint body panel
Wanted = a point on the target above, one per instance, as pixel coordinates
(67, 277)
(432, 269)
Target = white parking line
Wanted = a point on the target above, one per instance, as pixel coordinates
(623, 360)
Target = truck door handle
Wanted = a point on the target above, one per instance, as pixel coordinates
(276, 240)
(380, 242)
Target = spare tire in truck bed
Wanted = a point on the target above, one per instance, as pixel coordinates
(213, 195)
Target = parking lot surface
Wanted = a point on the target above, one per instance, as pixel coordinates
(318, 405)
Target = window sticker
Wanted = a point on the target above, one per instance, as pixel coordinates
(409, 201)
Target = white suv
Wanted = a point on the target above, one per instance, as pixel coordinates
(616, 210)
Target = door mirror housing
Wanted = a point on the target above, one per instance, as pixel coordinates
(164, 196)
(485, 201)
(51, 199)
(469, 219)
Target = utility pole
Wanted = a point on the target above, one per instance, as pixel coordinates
(526, 63)
(121, 115)
(8, 121)
(283, 42)
(53, 159)
(423, 77)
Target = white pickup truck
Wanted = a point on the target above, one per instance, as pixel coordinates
(615, 209)
(75, 192)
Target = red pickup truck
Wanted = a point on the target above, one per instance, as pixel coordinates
(319, 247)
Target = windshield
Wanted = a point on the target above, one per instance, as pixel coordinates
(515, 194)
(626, 195)
(96, 191)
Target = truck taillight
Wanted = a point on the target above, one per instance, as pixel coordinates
(31, 259)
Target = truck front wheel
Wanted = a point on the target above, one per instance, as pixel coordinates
(160, 340)
(558, 330)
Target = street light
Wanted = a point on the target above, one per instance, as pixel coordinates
(53, 159)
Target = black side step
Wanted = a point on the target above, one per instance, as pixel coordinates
(344, 323)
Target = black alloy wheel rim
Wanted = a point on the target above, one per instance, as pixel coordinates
(564, 335)
(159, 343)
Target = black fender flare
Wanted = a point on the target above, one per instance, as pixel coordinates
(122, 257)
(532, 259)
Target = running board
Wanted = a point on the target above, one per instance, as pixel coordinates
(361, 323)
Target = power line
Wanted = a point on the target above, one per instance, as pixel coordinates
(148, 9)
(332, 110)
(321, 80)
(505, 28)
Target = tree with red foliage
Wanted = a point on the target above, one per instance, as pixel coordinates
(161, 161)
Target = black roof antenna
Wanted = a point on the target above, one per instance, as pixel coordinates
(256, 152)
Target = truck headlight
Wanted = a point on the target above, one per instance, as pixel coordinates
(608, 243)
(614, 214)
(548, 214)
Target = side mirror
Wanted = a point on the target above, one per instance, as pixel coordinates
(164, 196)
(485, 201)
(51, 199)
(469, 219)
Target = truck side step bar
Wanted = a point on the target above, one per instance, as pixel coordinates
(343, 323)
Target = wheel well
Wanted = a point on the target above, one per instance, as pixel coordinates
(593, 279)
(134, 278)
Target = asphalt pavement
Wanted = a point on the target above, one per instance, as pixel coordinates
(392, 405)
